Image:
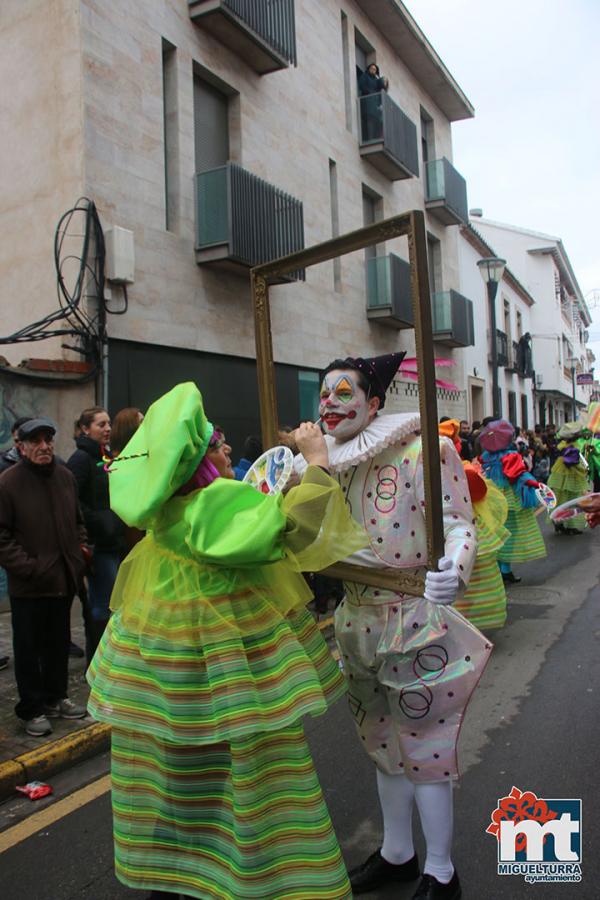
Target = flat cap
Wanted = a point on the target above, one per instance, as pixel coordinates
(28, 429)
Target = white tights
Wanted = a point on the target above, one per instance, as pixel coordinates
(434, 802)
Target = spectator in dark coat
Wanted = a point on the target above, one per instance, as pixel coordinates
(105, 529)
(41, 536)
(370, 86)
(11, 456)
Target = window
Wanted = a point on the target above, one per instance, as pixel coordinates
(427, 141)
(346, 68)
(308, 392)
(524, 416)
(335, 222)
(507, 320)
(434, 258)
(211, 125)
(170, 134)
(519, 325)
(372, 212)
(512, 407)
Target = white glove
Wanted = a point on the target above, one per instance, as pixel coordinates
(442, 587)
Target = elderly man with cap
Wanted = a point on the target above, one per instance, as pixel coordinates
(41, 534)
(411, 663)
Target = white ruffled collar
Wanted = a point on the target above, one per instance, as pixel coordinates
(383, 431)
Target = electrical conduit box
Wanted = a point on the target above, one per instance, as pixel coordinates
(120, 255)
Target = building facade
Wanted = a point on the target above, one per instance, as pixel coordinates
(558, 320)
(218, 134)
(514, 306)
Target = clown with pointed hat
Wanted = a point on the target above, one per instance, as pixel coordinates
(411, 664)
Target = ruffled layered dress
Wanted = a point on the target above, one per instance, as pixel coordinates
(205, 671)
(525, 541)
(484, 601)
(569, 482)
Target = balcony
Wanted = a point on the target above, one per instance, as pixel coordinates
(388, 138)
(502, 349)
(388, 291)
(522, 361)
(242, 221)
(262, 34)
(445, 193)
(452, 319)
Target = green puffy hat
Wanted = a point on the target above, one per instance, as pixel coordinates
(171, 442)
(570, 430)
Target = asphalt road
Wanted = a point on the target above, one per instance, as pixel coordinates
(533, 723)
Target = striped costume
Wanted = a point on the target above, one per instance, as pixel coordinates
(525, 541)
(484, 601)
(205, 671)
(569, 481)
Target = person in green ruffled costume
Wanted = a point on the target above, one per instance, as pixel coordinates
(210, 661)
(569, 477)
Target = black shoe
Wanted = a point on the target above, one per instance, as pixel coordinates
(432, 889)
(511, 578)
(376, 871)
(4, 662)
(75, 650)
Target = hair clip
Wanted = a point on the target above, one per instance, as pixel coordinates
(107, 461)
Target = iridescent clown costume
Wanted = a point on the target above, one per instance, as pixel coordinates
(207, 667)
(411, 665)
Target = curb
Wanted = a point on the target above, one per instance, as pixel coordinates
(53, 757)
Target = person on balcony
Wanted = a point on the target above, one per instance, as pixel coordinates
(370, 86)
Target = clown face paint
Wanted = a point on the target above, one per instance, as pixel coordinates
(343, 405)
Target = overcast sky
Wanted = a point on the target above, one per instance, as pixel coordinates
(531, 155)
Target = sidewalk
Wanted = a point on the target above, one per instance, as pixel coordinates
(24, 758)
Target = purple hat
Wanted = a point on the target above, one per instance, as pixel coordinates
(496, 435)
(378, 370)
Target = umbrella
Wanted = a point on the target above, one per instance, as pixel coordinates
(496, 435)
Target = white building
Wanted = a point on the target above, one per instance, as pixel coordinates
(221, 134)
(514, 306)
(558, 321)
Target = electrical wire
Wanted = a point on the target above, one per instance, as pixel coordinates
(73, 318)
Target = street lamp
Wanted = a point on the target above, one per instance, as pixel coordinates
(492, 269)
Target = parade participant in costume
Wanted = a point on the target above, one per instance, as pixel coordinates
(209, 662)
(589, 443)
(504, 465)
(484, 601)
(569, 477)
(411, 663)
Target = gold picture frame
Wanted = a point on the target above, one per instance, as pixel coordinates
(411, 224)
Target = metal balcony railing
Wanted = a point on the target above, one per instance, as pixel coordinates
(388, 291)
(263, 32)
(446, 192)
(452, 316)
(245, 220)
(388, 138)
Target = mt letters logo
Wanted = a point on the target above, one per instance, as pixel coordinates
(540, 839)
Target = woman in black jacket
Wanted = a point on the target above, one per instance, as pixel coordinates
(104, 528)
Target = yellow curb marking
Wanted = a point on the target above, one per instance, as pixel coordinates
(48, 816)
